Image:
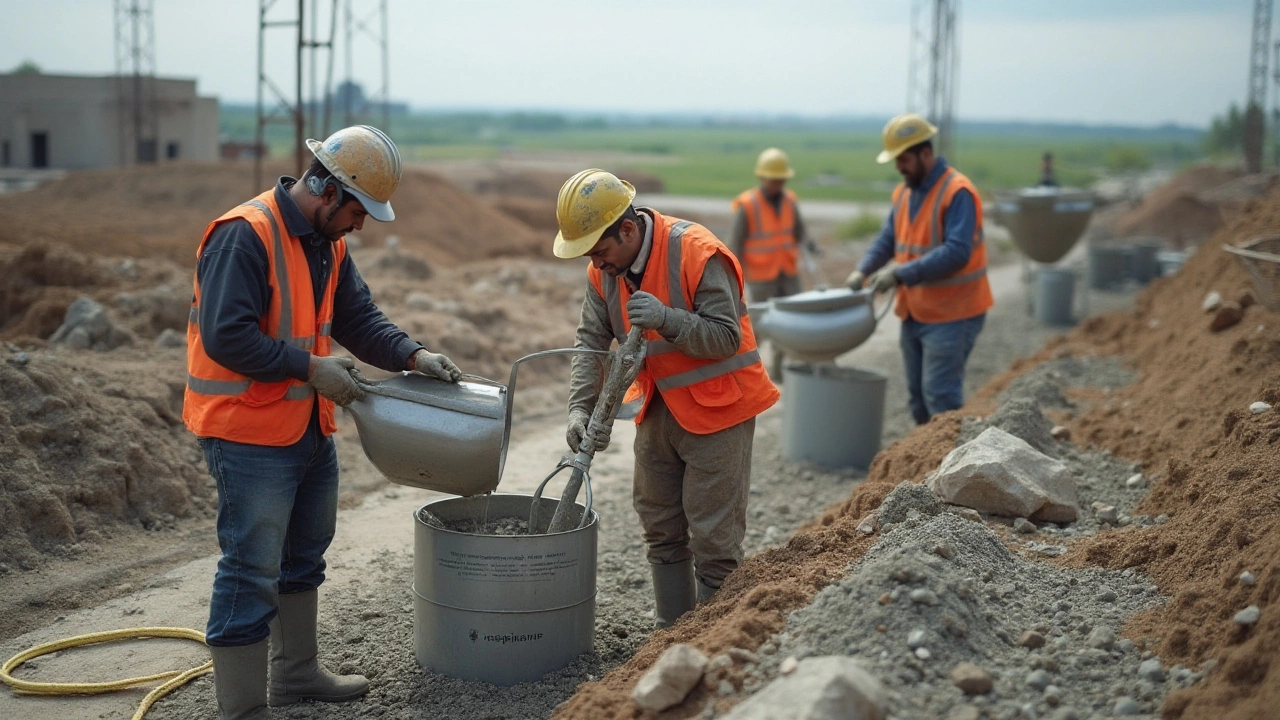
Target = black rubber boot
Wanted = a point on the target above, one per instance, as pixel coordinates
(673, 592)
(240, 681)
(296, 674)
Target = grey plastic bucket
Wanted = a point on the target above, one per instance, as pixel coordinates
(832, 416)
(501, 609)
(1055, 296)
(1108, 266)
(1143, 266)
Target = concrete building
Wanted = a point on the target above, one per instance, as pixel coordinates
(64, 121)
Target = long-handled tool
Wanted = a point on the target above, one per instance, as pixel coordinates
(623, 371)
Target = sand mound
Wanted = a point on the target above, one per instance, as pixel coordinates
(161, 211)
(88, 447)
(1177, 211)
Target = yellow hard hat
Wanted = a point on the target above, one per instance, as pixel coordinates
(772, 165)
(366, 162)
(901, 133)
(588, 204)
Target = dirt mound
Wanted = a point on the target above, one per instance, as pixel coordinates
(39, 281)
(1177, 211)
(161, 211)
(87, 447)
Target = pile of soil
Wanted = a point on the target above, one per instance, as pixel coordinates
(88, 448)
(1177, 212)
(161, 211)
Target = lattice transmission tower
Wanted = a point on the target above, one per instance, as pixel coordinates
(933, 61)
(1259, 54)
(135, 49)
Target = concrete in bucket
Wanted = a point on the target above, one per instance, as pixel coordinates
(501, 609)
(1045, 222)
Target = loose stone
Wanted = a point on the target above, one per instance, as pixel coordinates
(1247, 578)
(1024, 526)
(1031, 639)
(1247, 616)
(971, 679)
(1039, 679)
(1259, 407)
(1151, 670)
(1126, 706)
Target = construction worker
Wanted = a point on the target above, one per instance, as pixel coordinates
(274, 288)
(767, 236)
(933, 236)
(699, 390)
(767, 231)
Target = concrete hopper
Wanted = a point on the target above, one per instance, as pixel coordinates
(1044, 222)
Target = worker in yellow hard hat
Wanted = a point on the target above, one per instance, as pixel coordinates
(931, 253)
(699, 390)
(274, 289)
(768, 235)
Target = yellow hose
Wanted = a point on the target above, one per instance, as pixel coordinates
(173, 679)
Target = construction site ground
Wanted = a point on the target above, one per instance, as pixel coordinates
(109, 511)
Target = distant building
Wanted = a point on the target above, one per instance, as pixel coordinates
(66, 121)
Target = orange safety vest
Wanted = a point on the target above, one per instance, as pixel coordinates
(771, 248)
(959, 296)
(704, 396)
(219, 403)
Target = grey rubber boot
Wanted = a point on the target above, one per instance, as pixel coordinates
(240, 681)
(296, 674)
(705, 591)
(673, 593)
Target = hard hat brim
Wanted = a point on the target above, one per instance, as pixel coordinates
(886, 156)
(380, 211)
(790, 173)
(569, 249)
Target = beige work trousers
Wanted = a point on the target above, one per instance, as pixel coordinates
(691, 492)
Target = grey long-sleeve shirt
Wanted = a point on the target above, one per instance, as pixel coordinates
(739, 230)
(710, 331)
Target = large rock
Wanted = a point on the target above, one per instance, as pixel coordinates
(670, 679)
(822, 688)
(1001, 474)
(86, 325)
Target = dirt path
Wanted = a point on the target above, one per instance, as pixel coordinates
(366, 605)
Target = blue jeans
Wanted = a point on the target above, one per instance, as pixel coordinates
(934, 355)
(277, 508)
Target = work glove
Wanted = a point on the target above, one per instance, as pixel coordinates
(884, 281)
(579, 420)
(331, 377)
(436, 365)
(855, 280)
(646, 311)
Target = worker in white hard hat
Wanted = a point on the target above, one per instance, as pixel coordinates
(699, 389)
(768, 235)
(931, 254)
(274, 288)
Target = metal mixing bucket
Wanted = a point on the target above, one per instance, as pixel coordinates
(447, 437)
(1045, 222)
(818, 325)
(502, 609)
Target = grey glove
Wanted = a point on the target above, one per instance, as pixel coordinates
(884, 281)
(435, 365)
(855, 280)
(579, 420)
(646, 311)
(331, 377)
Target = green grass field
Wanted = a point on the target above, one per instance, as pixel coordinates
(718, 161)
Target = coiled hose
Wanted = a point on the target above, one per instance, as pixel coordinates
(172, 679)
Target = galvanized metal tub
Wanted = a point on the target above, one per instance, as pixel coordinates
(1108, 266)
(447, 437)
(1143, 265)
(832, 416)
(501, 609)
(818, 325)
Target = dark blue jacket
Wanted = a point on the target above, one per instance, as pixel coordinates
(957, 244)
(235, 294)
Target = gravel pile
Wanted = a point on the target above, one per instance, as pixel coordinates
(937, 590)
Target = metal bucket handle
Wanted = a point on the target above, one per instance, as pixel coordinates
(567, 461)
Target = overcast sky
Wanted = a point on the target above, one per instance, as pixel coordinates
(1139, 62)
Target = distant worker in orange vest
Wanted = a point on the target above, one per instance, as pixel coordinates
(274, 288)
(939, 266)
(768, 235)
(699, 390)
